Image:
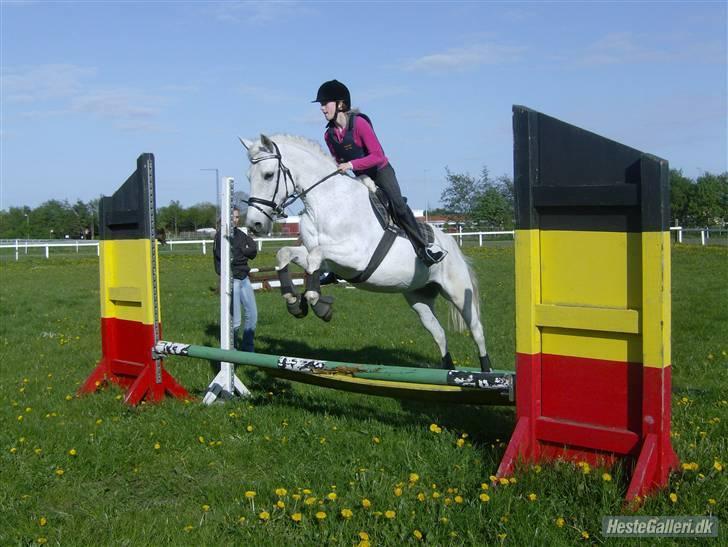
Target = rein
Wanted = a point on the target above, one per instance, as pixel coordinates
(292, 197)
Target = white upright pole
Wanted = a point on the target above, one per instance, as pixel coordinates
(226, 384)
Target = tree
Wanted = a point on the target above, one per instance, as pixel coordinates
(709, 203)
(462, 191)
(494, 207)
(681, 189)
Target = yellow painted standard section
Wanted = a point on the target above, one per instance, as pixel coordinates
(586, 318)
(528, 291)
(657, 301)
(126, 280)
(609, 346)
(595, 269)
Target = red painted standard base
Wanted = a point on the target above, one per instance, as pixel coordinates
(127, 361)
(579, 409)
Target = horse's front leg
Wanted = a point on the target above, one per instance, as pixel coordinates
(322, 305)
(297, 306)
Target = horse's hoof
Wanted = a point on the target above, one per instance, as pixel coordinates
(447, 362)
(299, 308)
(485, 363)
(323, 308)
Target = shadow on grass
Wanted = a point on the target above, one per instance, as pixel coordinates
(485, 425)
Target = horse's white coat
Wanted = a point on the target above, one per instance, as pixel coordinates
(339, 230)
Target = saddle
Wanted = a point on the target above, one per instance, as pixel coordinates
(383, 211)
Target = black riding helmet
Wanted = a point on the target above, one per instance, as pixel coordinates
(333, 90)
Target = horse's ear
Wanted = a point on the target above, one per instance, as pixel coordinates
(246, 143)
(267, 144)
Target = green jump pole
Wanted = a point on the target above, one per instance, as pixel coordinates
(500, 381)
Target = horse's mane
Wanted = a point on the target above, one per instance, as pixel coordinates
(305, 143)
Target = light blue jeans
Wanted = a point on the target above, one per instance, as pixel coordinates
(244, 296)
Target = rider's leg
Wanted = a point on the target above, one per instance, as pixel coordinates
(386, 179)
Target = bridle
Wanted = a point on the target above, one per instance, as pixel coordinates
(291, 196)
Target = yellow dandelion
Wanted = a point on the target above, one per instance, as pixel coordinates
(280, 492)
(421, 497)
(376, 440)
(711, 501)
(296, 517)
(532, 497)
(347, 513)
(390, 514)
(460, 443)
(157, 446)
(585, 534)
(398, 491)
(13, 450)
(436, 495)
(42, 521)
(502, 536)
(366, 504)
(320, 515)
(60, 472)
(72, 452)
(201, 439)
(205, 508)
(484, 497)
(458, 499)
(280, 504)
(296, 496)
(331, 496)
(99, 421)
(504, 519)
(673, 497)
(38, 451)
(503, 481)
(434, 428)
(493, 478)
(717, 466)
(69, 397)
(249, 429)
(413, 477)
(306, 491)
(536, 468)
(264, 516)
(417, 534)
(250, 494)
(20, 418)
(560, 522)
(444, 520)
(484, 486)
(310, 500)
(363, 536)
(41, 541)
(606, 477)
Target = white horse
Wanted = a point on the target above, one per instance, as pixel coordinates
(340, 231)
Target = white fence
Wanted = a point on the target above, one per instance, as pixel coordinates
(21, 246)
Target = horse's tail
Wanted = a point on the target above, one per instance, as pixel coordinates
(456, 318)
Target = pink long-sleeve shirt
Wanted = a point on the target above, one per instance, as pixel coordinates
(364, 137)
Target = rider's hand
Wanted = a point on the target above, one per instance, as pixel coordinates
(344, 167)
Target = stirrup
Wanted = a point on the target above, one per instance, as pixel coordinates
(431, 255)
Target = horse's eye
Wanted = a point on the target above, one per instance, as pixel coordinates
(268, 176)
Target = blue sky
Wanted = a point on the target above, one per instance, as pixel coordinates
(88, 86)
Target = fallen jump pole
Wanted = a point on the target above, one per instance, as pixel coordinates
(495, 387)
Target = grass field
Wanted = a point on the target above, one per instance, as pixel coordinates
(90, 470)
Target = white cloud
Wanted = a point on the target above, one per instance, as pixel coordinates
(258, 11)
(43, 82)
(53, 90)
(464, 58)
(628, 48)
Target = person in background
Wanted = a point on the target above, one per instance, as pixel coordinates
(242, 249)
(353, 143)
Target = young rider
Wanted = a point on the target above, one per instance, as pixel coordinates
(352, 141)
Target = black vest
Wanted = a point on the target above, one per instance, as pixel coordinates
(347, 150)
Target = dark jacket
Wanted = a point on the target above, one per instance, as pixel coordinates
(242, 248)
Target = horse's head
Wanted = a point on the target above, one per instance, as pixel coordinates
(270, 184)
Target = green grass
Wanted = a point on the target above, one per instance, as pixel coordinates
(119, 488)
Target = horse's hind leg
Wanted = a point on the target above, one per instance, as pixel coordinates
(461, 293)
(423, 302)
(296, 305)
